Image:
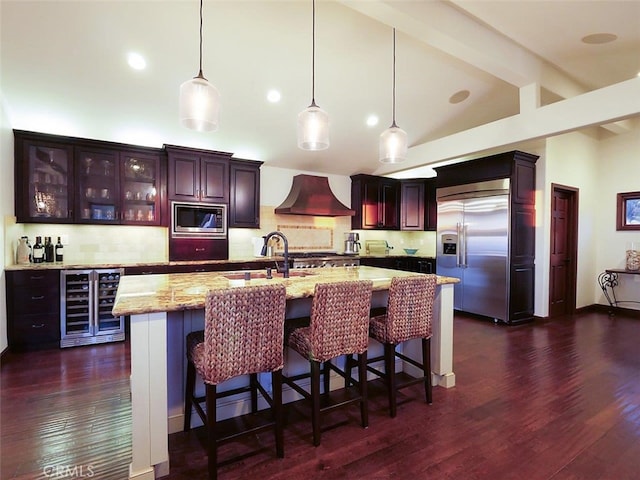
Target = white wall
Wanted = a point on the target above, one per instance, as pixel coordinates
(599, 168)
(618, 172)
(6, 210)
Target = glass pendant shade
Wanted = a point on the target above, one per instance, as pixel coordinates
(313, 128)
(199, 105)
(393, 145)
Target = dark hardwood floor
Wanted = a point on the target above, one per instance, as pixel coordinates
(556, 399)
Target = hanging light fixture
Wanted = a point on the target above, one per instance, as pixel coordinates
(313, 122)
(199, 100)
(393, 141)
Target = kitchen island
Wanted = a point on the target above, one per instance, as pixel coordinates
(165, 307)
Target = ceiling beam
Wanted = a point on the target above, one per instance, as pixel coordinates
(598, 107)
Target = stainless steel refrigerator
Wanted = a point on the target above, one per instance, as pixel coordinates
(473, 245)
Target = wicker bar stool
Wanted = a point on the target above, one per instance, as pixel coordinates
(243, 335)
(409, 316)
(338, 325)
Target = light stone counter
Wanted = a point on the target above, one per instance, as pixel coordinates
(165, 307)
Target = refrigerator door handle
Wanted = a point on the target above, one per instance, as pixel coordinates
(464, 245)
(459, 240)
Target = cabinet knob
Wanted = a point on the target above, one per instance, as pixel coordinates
(38, 297)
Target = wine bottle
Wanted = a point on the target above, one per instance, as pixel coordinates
(48, 249)
(38, 251)
(59, 250)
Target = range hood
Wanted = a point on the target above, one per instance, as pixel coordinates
(311, 195)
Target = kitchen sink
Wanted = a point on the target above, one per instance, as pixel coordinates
(260, 274)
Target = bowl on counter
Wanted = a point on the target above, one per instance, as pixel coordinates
(410, 251)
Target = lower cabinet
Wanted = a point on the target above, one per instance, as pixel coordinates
(33, 309)
(406, 263)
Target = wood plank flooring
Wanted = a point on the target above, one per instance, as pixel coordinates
(556, 399)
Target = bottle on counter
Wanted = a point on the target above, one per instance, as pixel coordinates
(48, 249)
(22, 251)
(59, 250)
(38, 251)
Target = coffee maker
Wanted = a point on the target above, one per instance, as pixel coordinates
(351, 243)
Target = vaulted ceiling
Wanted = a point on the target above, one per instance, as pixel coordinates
(64, 70)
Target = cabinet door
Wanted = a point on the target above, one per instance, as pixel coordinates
(430, 205)
(244, 199)
(214, 180)
(370, 204)
(389, 205)
(97, 181)
(139, 192)
(184, 177)
(412, 206)
(44, 183)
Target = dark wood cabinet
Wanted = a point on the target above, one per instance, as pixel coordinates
(412, 203)
(376, 201)
(197, 175)
(75, 180)
(406, 263)
(430, 205)
(198, 249)
(519, 168)
(44, 179)
(33, 309)
(244, 194)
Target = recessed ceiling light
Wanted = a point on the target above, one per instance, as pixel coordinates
(372, 120)
(136, 61)
(599, 38)
(273, 96)
(460, 96)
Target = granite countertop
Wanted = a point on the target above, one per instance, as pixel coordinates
(81, 266)
(139, 294)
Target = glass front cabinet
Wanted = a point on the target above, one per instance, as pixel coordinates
(60, 180)
(46, 184)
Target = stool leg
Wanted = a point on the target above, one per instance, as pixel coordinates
(362, 379)
(326, 376)
(426, 367)
(212, 444)
(315, 401)
(390, 374)
(348, 365)
(276, 383)
(188, 395)
(253, 384)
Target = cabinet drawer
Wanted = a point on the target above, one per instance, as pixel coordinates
(32, 330)
(43, 300)
(34, 278)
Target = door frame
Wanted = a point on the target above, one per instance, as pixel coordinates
(572, 245)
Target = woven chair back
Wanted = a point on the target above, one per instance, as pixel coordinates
(340, 318)
(410, 308)
(244, 331)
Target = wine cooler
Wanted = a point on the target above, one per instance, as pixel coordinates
(86, 301)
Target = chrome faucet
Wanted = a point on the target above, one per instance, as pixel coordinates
(267, 237)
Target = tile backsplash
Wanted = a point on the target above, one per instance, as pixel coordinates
(88, 244)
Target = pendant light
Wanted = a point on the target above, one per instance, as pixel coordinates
(393, 141)
(313, 122)
(199, 100)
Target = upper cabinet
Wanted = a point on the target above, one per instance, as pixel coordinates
(244, 197)
(198, 175)
(389, 204)
(71, 180)
(412, 205)
(376, 201)
(44, 180)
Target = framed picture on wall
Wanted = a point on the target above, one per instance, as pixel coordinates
(628, 211)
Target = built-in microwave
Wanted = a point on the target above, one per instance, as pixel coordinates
(198, 220)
